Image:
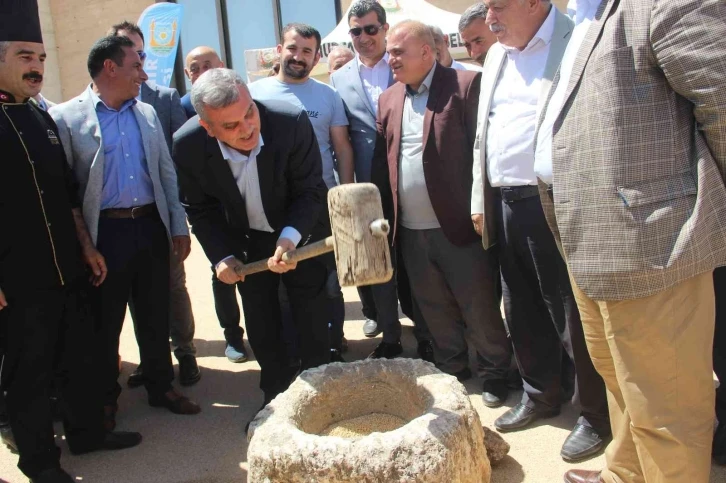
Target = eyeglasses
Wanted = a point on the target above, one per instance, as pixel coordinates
(142, 54)
(368, 29)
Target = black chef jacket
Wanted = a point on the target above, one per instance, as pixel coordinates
(39, 248)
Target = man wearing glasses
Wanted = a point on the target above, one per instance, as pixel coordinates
(360, 83)
(168, 107)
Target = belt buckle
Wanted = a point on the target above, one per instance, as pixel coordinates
(133, 212)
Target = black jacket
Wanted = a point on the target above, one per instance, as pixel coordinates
(39, 248)
(290, 176)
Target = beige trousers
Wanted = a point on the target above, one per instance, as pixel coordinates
(655, 355)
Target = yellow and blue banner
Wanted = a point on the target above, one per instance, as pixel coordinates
(160, 23)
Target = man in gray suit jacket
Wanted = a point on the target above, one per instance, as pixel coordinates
(167, 105)
(541, 313)
(360, 82)
(632, 155)
(131, 206)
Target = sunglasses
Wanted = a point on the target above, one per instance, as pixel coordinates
(142, 54)
(368, 29)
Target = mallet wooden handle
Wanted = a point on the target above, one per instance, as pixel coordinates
(308, 251)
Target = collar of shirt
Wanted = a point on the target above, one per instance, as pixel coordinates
(97, 100)
(543, 35)
(234, 156)
(8, 98)
(381, 63)
(425, 85)
(577, 9)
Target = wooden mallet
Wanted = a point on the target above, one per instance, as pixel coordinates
(360, 238)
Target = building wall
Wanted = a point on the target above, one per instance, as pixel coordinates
(77, 24)
(51, 77)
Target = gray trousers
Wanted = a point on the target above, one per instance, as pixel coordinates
(181, 318)
(456, 290)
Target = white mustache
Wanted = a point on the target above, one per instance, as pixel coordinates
(495, 27)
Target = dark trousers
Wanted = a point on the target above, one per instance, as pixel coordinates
(409, 306)
(227, 309)
(719, 341)
(542, 316)
(49, 334)
(308, 303)
(137, 255)
(380, 303)
(455, 289)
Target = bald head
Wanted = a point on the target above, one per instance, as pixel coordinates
(338, 57)
(411, 52)
(414, 29)
(199, 61)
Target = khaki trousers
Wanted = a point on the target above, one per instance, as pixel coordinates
(655, 356)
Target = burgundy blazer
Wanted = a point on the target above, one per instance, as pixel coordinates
(449, 133)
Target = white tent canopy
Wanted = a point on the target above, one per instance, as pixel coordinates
(260, 61)
(397, 11)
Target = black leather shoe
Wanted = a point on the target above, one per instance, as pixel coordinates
(55, 475)
(582, 443)
(719, 444)
(7, 438)
(583, 476)
(463, 375)
(370, 328)
(386, 350)
(189, 373)
(335, 356)
(521, 416)
(112, 441)
(137, 378)
(494, 393)
(426, 351)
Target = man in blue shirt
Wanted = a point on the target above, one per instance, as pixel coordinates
(299, 54)
(131, 205)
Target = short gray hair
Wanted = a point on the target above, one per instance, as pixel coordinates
(476, 11)
(4, 46)
(216, 88)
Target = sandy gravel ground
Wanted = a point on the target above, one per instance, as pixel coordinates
(211, 447)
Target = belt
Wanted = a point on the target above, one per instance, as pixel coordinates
(135, 212)
(517, 193)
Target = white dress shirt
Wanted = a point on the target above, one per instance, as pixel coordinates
(417, 212)
(374, 79)
(244, 171)
(513, 112)
(582, 12)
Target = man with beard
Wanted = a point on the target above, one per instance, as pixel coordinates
(475, 32)
(45, 325)
(299, 54)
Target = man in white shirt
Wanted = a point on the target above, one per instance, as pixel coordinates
(443, 56)
(632, 153)
(299, 54)
(540, 309)
(360, 83)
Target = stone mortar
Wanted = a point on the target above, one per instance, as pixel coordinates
(442, 442)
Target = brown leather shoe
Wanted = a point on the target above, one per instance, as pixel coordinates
(583, 476)
(175, 403)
